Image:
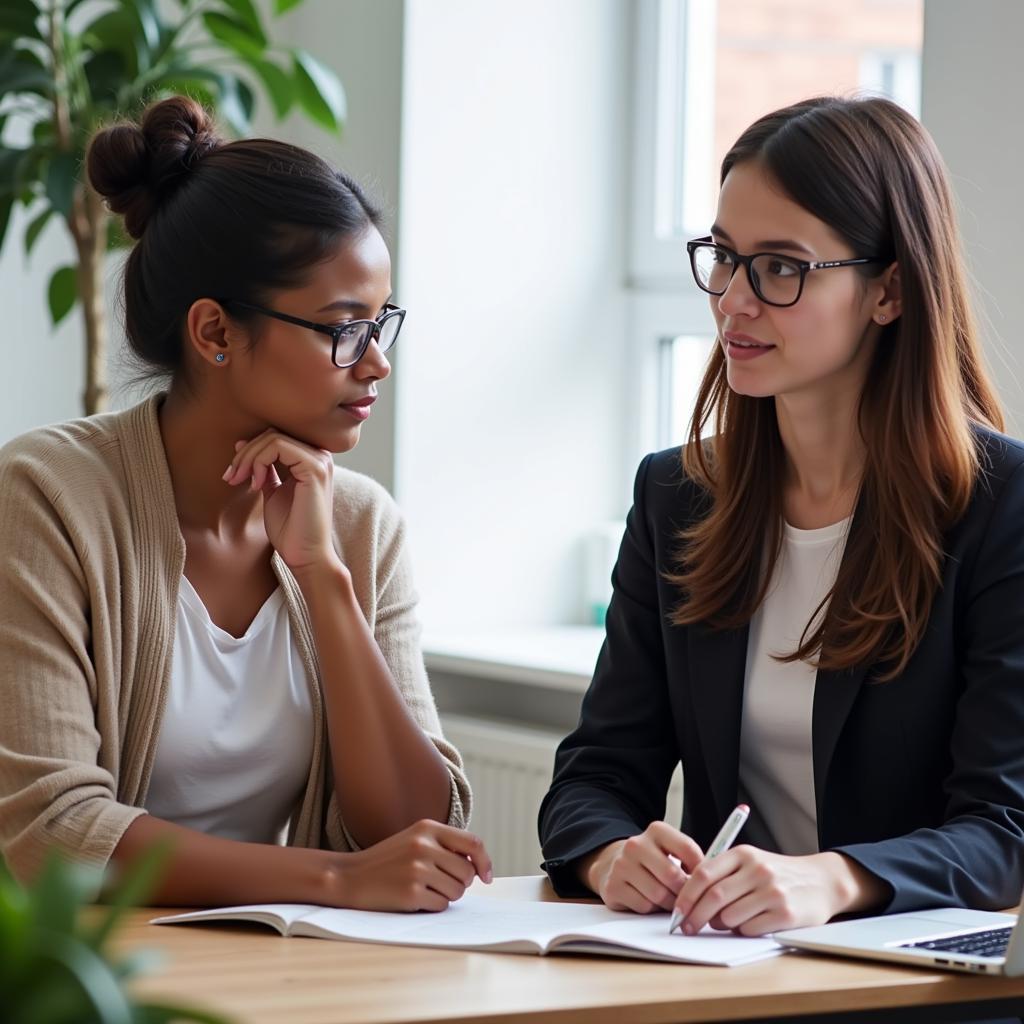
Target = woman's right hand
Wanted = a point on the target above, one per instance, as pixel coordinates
(424, 867)
(643, 873)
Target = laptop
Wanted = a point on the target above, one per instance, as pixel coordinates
(950, 939)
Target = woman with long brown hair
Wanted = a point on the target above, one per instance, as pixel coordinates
(819, 602)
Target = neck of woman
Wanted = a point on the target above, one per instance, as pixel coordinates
(825, 458)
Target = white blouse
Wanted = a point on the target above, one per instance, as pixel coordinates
(776, 755)
(236, 738)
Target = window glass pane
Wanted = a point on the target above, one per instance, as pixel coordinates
(774, 52)
(683, 359)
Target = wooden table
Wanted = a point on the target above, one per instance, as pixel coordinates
(253, 976)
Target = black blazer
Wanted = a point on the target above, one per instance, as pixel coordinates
(920, 780)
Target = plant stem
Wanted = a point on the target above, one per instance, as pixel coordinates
(91, 262)
(61, 112)
(88, 227)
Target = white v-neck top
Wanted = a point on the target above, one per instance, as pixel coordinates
(236, 739)
(776, 755)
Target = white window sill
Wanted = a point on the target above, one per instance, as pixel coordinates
(556, 657)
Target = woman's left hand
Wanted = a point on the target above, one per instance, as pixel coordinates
(755, 892)
(296, 511)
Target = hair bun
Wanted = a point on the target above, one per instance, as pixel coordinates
(135, 167)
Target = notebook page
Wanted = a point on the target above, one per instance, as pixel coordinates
(277, 915)
(474, 922)
(649, 934)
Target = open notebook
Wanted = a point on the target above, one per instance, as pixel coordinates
(504, 926)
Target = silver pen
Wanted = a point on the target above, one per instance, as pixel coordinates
(726, 837)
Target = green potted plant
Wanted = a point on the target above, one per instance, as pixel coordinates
(68, 66)
(54, 965)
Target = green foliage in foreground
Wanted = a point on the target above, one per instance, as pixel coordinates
(54, 963)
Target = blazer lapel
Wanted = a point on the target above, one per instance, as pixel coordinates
(834, 694)
(717, 660)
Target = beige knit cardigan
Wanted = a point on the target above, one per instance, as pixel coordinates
(91, 557)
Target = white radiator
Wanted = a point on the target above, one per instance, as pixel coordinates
(509, 767)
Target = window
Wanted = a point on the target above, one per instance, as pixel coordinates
(704, 70)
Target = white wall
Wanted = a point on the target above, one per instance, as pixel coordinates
(973, 104)
(513, 225)
(361, 40)
(43, 370)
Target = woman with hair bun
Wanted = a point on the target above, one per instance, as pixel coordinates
(819, 608)
(207, 629)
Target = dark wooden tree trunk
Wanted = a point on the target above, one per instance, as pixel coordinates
(88, 226)
(91, 243)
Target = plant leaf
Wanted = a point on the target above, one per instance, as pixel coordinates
(229, 96)
(35, 229)
(116, 30)
(62, 887)
(62, 293)
(131, 890)
(50, 973)
(247, 13)
(5, 217)
(42, 131)
(106, 74)
(9, 160)
(98, 983)
(246, 97)
(280, 87)
(149, 22)
(61, 177)
(158, 1013)
(235, 103)
(15, 925)
(233, 34)
(320, 92)
(19, 18)
(71, 5)
(49, 994)
(29, 169)
(54, 901)
(283, 6)
(22, 71)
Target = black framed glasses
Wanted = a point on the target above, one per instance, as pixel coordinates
(350, 340)
(776, 279)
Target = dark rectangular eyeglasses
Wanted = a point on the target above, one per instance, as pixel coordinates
(349, 340)
(776, 279)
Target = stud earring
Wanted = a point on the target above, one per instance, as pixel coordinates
(220, 357)
(882, 318)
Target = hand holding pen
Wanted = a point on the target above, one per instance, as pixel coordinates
(726, 837)
(752, 891)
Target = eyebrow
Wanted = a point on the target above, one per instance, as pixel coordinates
(350, 304)
(766, 245)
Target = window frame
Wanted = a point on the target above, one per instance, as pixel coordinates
(673, 136)
(663, 301)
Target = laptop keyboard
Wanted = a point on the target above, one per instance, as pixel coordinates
(990, 943)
